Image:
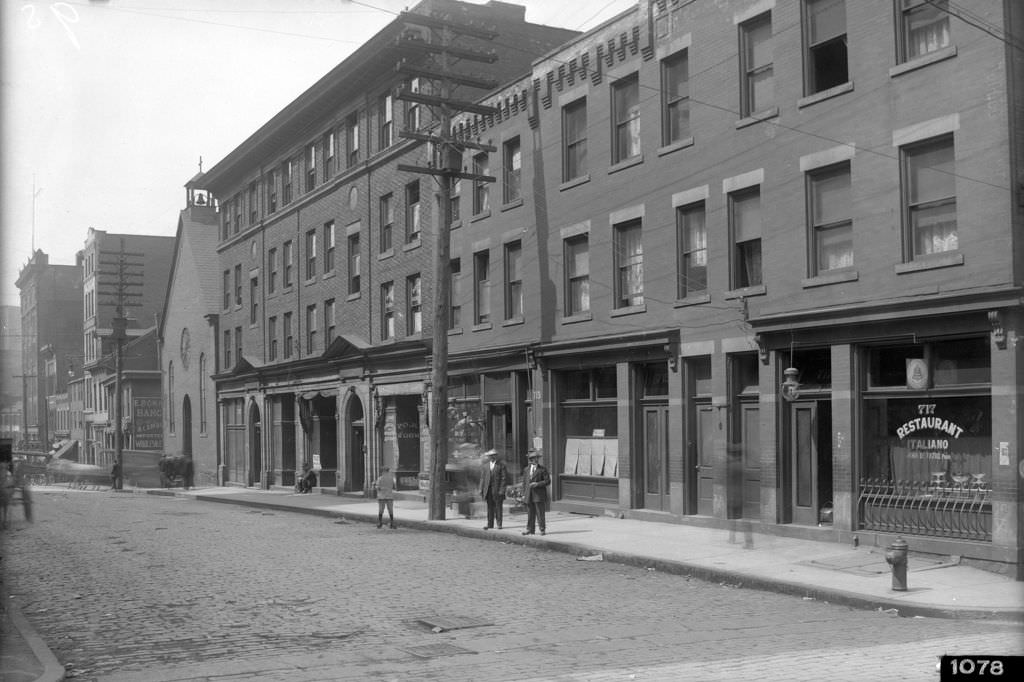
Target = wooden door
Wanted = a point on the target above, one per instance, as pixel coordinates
(804, 461)
(655, 450)
(707, 428)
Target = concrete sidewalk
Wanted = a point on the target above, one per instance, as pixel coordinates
(826, 571)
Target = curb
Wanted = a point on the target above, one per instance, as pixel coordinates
(53, 671)
(723, 576)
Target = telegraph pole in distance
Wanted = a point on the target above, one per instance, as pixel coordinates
(118, 288)
(434, 45)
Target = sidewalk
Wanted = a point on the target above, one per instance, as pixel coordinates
(857, 577)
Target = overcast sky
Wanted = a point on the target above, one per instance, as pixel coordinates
(108, 105)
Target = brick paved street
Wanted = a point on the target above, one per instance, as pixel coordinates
(140, 587)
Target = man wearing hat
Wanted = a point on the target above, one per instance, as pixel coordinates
(536, 480)
(493, 479)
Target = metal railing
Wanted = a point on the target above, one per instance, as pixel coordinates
(925, 508)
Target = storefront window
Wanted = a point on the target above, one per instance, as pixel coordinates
(466, 427)
(590, 423)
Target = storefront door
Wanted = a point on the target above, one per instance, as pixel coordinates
(811, 459)
(655, 449)
(751, 445)
(707, 424)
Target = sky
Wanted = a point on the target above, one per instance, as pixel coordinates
(109, 105)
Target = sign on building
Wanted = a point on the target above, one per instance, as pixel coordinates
(147, 420)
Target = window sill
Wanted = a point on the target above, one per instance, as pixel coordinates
(840, 89)
(329, 275)
(575, 182)
(354, 297)
(628, 163)
(746, 292)
(512, 322)
(757, 117)
(414, 244)
(922, 61)
(932, 262)
(309, 281)
(629, 310)
(383, 255)
(509, 205)
(482, 327)
(827, 278)
(480, 216)
(455, 331)
(456, 223)
(696, 299)
(579, 317)
(675, 146)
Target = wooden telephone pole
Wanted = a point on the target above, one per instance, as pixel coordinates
(121, 298)
(432, 42)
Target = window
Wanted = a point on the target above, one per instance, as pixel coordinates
(455, 295)
(330, 147)
(238, 285)
(237, 205)
(272, 268)
(329, 322)
(352, 138)
(412, 111)
(226, 221)
(675, 93)
(481, 288)
(414, 305)
(924, 27)
(310, 167)
(412, 212)
(311, 254)
(254, 205)
(286, 264)
(830, 211)
(574, 136)
(481, 189)
(577, 275)
(387, 221)
(387, 121)
(929, 189)
(514, 280)
(287, 168)
(825, 40)
(626, 118)
(512, 171)
(629, 265)
(254, 304)
(329, 246)
(387, 310)
(170, 396)
(227, 289)
(271, 191)
(745, 229)
(272, 335)
(693, 250)
(453, 200)
(310, 329)
(353, 263)
(202, 393)
(227, 350)
(757, 92)
(238, 344)
(288, 338)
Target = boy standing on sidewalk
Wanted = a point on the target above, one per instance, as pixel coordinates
(385, 487)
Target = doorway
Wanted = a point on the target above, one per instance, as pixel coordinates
(707, 426)
(655, 453)
(255, 447)
(186, 427)
(810, 454)
(356, 450)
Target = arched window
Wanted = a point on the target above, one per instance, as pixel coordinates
(170, 397)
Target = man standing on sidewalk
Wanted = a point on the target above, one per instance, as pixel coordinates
(385, 487)
(493, 479)
(536, 480)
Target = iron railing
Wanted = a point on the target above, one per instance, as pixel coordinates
(924, 508)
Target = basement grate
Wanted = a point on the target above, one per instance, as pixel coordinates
(444, 623)
(436, 650)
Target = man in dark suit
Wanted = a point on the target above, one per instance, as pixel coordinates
(493, 479)
(536, 480)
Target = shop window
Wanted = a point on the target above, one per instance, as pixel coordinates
(589, 421)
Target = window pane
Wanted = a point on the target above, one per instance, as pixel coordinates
(930, 172)
(826, 19)
(835, 247)
(830, 196)
(934, 229)
(746, 216)
(759, 44)
(926, 28)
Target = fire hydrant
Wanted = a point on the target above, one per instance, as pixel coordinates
(896, 556)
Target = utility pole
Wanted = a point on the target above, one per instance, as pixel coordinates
(122, 298)
(432, 42)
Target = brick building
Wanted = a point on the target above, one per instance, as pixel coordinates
(746, 261)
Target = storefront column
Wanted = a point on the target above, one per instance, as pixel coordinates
(300, 435)
(626, 409)
(720, 400)
(676, 444)
(771, 411)
(844, 479)
(1008, 433)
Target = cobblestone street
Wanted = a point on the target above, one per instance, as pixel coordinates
(141, 587)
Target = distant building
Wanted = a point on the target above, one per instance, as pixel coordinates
(51, 326)
(10, 369)
(147, 261)
(188, 338)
